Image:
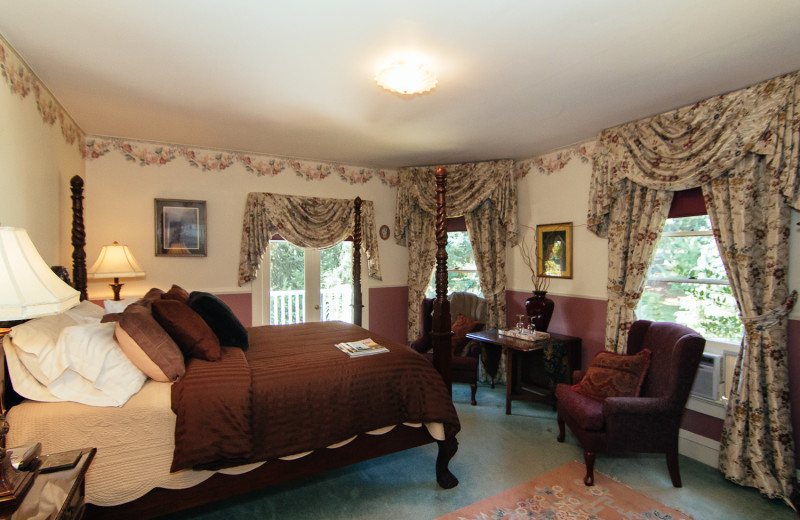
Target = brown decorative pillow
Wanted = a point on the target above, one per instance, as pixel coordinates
(176, 293)
(148, 345)
(614, 375)
(187, 328)
(462, 326)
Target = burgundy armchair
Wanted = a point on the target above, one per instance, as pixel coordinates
(645, 424)
(465, 362)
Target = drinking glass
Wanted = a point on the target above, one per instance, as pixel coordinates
(521, 323)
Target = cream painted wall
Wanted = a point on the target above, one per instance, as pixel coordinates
(119, 206)
(36, 164)
(552, 198)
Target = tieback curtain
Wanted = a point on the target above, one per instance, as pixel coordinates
(305, 222)
(743, 149)
(485, 194)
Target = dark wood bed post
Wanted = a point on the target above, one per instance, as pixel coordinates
(78, 237)
(357, 305)
(440, 329)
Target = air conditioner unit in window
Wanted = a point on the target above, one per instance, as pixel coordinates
(709, 378)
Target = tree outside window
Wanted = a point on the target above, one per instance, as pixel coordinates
(462, 273)
(687, 283)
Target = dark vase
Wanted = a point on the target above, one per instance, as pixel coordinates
(540, 307)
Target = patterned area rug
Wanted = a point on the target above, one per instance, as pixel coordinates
(560, 493)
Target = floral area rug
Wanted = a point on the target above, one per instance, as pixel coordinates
(560, 494)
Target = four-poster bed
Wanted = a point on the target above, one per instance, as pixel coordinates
(439, 419)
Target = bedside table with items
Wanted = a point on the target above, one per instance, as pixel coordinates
(57, 495)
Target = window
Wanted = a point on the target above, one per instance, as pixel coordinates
(309, 284)
(687, 283)
(462, 273)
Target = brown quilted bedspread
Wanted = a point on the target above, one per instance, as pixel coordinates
(293, 391)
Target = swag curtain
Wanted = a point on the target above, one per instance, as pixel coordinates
(305, 222)
(485, 193)
(743, 148)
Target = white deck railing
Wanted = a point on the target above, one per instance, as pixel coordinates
(287, 307)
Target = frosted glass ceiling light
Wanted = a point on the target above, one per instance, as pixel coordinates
(406, 78)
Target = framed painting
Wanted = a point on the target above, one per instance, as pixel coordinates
(554, 250)
(180, 227)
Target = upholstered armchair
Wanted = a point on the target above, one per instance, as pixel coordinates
(647, 423)
(472, 312)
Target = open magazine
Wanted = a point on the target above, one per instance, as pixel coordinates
(365, 347)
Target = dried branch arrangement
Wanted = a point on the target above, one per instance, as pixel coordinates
(529, 249)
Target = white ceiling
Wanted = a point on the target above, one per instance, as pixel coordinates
(517, 78)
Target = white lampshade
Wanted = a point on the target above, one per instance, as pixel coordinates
(115, 261)
(28, 287)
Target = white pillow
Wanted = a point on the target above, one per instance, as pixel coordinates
(36, 339)
(113, 306)
(21, 379)
(95, 370)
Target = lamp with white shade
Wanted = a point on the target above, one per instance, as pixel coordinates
(28, 288)
(115, 261)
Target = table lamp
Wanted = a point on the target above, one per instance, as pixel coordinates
(28, 288)
(115, 261)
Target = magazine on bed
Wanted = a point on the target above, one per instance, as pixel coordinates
(365, 347)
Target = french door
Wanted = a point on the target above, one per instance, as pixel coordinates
(307, 284)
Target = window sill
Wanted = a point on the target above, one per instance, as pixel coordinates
(707, 406)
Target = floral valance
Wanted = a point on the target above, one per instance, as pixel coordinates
(688, 147)
(305, 222)
(468, 186)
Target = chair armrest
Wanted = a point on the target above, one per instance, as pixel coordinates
(422, 344)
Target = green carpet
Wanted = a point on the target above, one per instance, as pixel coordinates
(496, 453)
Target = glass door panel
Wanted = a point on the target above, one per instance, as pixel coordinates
(336, 283)
(286, 283)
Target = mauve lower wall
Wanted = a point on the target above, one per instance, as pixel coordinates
(388, 312)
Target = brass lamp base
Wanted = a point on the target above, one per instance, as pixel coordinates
(14, 484)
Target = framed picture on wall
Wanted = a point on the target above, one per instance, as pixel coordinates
(554, 250)
(180, 227)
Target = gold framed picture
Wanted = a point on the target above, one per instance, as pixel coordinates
(554, 250)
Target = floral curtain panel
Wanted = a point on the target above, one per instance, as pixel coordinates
(305, 222)
(734, 145)
(744, 204)
(469, 185)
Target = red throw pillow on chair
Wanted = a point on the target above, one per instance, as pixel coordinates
(614, 375)
(462, 326)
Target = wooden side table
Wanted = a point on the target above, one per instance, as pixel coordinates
(533, 368)
(66, 485)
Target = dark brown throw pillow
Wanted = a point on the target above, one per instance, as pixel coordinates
(221, 319)
(614, 375)
(176, 293)
(147, 345)
(187, 328)
(462, 326)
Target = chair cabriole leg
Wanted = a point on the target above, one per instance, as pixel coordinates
(588, 456)
(674, 470)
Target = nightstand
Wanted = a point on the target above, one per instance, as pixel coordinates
(59, 494)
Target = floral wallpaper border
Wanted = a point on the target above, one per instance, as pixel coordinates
(22, 81)
(554, 161)
(156, 154)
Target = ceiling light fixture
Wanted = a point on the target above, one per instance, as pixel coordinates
(406, 78)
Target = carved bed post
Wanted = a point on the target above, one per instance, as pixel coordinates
(442, 354)
(78, 237)
(357, 305)
(441, 306)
